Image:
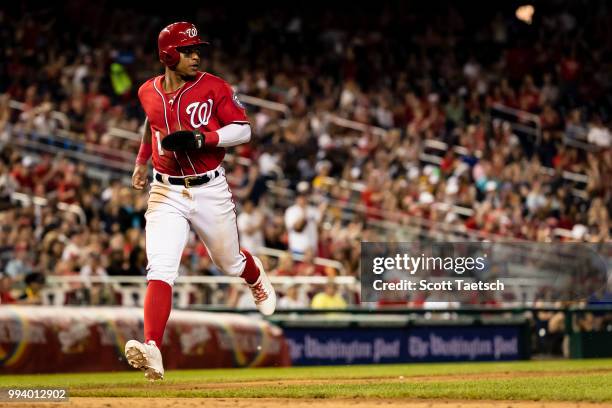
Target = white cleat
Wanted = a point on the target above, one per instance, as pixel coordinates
(145, 357)
(263, 292)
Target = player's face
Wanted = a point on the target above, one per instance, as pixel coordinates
(190, 61)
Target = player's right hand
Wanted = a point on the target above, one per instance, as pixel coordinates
(140, 176)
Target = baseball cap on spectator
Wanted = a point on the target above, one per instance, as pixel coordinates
(303, 188)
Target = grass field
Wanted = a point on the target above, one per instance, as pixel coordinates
(573, 380)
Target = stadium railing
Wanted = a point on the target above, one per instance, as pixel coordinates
(27, 200)
(277, 253)
(520, 121)
(101, 164)
(266, 104)
(60, 116)
(351, 124)
(132, 288)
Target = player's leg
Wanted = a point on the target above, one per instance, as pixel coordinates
(215, 223)
(167, 231)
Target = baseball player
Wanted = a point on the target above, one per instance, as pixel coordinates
(192, 116)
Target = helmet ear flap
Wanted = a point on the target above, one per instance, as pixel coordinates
(169, 58)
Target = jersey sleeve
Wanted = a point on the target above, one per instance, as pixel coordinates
(142, 96)
(229, 109)
(141, 91)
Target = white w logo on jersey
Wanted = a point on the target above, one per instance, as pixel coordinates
(200, 113)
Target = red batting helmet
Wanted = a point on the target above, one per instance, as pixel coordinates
(176, 35)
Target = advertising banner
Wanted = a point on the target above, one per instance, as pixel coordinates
(312, 346)
(360, 345)
(37, 339)
(493, 343)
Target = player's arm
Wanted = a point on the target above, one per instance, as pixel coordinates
(146, 135)
(233, 134)
(141, 170)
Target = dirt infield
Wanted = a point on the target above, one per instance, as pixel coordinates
(302, 403)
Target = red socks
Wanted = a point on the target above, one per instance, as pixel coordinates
(250, 273)
(157, 305)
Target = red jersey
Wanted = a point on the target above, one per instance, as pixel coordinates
(207, 104)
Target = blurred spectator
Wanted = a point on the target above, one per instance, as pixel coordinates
(598, 134)
(292, 298)
(6, 283)
(19, 266)
(285, 266)
(329, 298)
(250, 225)
(274, 232)
(75, 247)
(93, 267)
(34, 283)
(302, 221)
(307, 266)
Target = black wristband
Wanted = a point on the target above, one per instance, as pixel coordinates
(199, 138)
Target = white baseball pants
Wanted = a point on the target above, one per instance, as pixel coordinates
(209, 209)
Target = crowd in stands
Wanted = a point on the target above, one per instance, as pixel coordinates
(419, 75)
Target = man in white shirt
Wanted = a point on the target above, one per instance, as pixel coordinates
(250, 226)
(301, 221)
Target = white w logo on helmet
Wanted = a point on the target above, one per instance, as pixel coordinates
(191, 32)
(200, 113)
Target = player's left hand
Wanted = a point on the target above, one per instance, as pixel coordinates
(183, 140)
